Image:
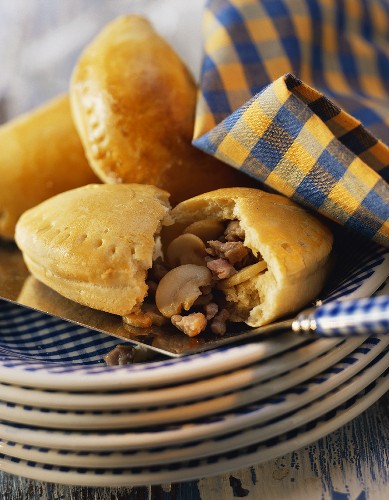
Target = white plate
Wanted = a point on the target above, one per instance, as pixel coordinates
(66, 419)
(167, 435)
(75, 376)
(205, 467)
(37, 350)
(198, 389)
(212, 446)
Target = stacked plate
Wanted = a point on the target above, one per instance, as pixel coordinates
(66, 417)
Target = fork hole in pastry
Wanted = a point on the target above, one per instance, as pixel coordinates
(202, 266)
(82, 238)
(286, 247)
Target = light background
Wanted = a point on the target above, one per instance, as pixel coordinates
(40, 41)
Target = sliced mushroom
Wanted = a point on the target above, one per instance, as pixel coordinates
(180, 287)
(243, 275)
(186, 249)
(206, 229)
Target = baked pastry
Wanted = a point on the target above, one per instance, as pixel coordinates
(289, 251)
(242, 255)
(133, 102)
(95, 244)
(40, 155)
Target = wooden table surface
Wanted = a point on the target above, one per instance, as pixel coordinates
(39, 43)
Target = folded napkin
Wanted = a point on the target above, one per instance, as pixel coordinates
(286, 91)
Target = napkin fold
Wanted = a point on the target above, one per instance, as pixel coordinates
(287, 90)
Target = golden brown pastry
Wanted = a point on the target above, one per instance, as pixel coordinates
(290, 251)
(40, 155)
(133, 102)
(95, 244)
(242, 255)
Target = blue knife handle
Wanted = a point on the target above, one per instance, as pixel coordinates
(344, 318)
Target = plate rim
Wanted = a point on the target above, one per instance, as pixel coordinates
(206, 407)
(196, 430)
(97, 478)
(251, 435)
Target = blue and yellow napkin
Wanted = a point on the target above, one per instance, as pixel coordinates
(288, 91)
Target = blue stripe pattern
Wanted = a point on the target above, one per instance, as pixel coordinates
(270, 409)
(249, 452)
(333, 60)
(356, 317)
(321, 60)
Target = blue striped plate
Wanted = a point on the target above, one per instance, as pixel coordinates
(191, 469)
(267, 403)
(184, 410)
(198, 448)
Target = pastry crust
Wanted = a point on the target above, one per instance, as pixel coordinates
(41, 155)
(133, 102)
(95, 244)
(295, 245)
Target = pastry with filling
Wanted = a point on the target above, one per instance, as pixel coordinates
(240, 255)
(40, 155)
(133, 102)
(268, 256)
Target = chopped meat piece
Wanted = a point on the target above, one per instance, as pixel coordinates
(128, 355)
(191, 325)
(233, 251)
(211, 310)
(221, 268)
(218, 325)
(215, 248)
(234, 232)
(248, 261)
(120, 355)
(211, 250)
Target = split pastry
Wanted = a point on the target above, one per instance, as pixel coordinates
(268, 256)
(94, 244)
(243, 255)
(133, 102)
(40, 155)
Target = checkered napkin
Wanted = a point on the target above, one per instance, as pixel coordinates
(287, 89)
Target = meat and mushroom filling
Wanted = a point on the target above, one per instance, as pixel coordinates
(187, 286)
